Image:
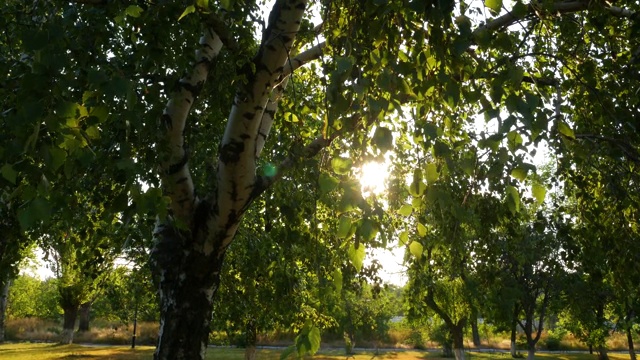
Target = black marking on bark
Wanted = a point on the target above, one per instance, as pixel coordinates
(230, 152)
(167, 121)
(271, 47)
(181, 180)
(248, 115)
(257, 108)
(286, 39)
(245, 136)
(300, 6)
(234, 191)
(260, 133)
(176, 167)
(193, 89)
(271, 113)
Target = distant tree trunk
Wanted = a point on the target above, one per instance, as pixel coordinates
(83, 314)
(531, 353)
(632, 352)
(457, 334)
(475, 334)
(68, 326)
(251, 340)
(514, 329)
(5, 284)
(602, 352)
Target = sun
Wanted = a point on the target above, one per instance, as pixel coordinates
(373, 177)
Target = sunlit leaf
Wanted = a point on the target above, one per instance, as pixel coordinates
(190, 9)
(356, 255)
(519, 173)
(403, 239)
(422, 230)
(133, 11)
(341, 165)
(416, 249)
(405, 210)
(539, 192)
(494, 5)
(344, 226)
(431, 173)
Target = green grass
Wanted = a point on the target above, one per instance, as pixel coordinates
(28, 351)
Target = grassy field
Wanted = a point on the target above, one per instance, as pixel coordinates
(24, 351)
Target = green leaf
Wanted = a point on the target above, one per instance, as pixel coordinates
(403, 239)
(327, 183)
(368, 230)
(344, 227)
(416, 249)
(383, 139)
(356, 255)
(341, 166)
(58, 157)
(513, 199)
(288, 352)
(539, 192)
(405, 210)
(431, 173)
(133, 11)
(190, 9)
(514, 140)
(494, 5)
(337, 279)
(314, 339)
(227, 4)
(565, 130)
(519, 173)
(9, 173)
(422, 230)
(204, 4)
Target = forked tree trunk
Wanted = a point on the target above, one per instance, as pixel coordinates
(632, 352)
(68, 326)
(5, 284)
(83, 317)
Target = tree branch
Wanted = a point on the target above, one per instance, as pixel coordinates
(629, 150)
(272, 104)
(173, 152)
(566, 7)
(236, 177)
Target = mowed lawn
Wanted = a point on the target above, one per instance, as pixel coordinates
(28, 351)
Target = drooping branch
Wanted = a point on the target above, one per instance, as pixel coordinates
(174, 156)
(236, 162)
